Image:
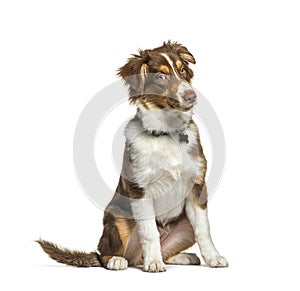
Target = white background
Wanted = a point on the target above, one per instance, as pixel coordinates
(56, 55)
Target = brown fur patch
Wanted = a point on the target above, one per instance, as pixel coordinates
(164, 69)
(70, 257)
(199, 190)
(151, 61)
(125, 228)
(178, 64)
(131, 189)
(200, 196)
(197, 154)
(110, 243)
(152, 101)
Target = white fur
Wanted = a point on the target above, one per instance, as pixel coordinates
(183, 87)
(163, 168)
(199, 221)
(168, 59)
(149, 235)
(117, 263)
(164, 120)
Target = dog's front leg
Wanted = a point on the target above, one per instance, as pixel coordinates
(197, 215)
(144, 214)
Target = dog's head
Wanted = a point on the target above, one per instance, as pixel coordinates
(160, 79)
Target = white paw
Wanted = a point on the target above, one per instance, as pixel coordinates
(216, 261)
(155, 266)
(117, 263)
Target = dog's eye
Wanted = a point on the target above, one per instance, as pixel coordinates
(161, 77)
(182, 70)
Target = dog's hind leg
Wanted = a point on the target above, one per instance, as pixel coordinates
(174, 241)
(113, 242)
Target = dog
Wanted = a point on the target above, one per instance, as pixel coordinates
(160, 205)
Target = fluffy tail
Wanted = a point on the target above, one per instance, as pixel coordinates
(70, 257)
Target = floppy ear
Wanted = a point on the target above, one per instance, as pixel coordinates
(185, 54)
(188, 57)
(134, 71)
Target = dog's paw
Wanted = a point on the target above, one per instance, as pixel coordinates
(216, 262)
(117, 263)
(154, 267)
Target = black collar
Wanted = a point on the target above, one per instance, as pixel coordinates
(157, 133)
(183, 137)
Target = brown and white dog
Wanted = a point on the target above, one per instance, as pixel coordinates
(160, 205)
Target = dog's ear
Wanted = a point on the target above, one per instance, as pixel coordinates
(134, 72)
(187, 56)
(182, 51)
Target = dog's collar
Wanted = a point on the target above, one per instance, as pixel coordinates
(183, 137)
(157, 132)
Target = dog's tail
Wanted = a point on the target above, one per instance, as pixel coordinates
(70, 257)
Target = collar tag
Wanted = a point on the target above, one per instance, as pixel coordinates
(183, 138)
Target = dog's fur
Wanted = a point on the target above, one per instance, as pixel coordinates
(160, 205)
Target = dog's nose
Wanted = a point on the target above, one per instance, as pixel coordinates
(190, 97)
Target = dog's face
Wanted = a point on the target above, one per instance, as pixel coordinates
(160, 78)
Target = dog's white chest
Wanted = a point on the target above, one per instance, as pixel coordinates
(157, 159)
(164, 168)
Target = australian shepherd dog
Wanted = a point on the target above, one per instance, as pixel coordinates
(160, 204)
